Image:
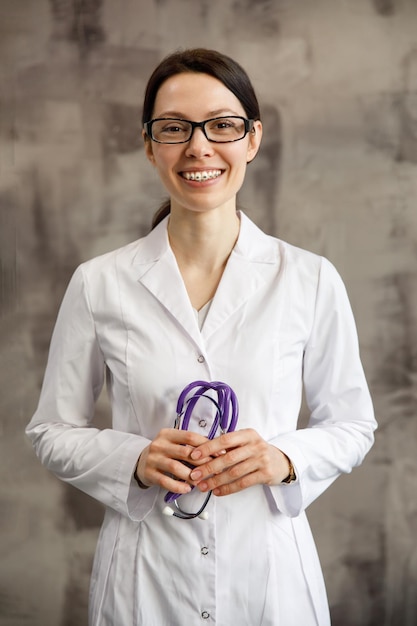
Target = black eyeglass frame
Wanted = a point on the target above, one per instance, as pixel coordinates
(148, 128)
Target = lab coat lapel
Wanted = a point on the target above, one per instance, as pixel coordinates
(248, 268)
(156, 268)
(240, 281)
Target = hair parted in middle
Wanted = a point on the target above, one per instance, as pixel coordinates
(199, 61)
(203, 61)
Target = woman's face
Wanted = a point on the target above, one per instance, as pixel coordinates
(197, 97)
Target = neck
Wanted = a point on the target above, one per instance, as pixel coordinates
(205, 239)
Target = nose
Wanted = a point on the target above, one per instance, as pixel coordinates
(199, 145)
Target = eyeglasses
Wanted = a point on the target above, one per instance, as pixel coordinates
(216, 129)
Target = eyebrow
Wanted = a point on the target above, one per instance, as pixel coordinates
(215, 113)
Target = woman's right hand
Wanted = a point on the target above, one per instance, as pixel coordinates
(166, 460)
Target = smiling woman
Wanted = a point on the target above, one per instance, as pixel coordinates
(205, 302)
(186, 148)
(210, 64)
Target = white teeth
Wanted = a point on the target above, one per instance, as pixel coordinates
(202, 176)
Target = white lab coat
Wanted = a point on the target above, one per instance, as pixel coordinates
(280, 317)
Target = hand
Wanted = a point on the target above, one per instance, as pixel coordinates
(164, 461)
(242, 459)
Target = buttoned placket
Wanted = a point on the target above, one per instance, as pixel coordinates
(208, 565)
(207, 550)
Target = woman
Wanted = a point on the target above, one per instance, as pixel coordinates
(205, 296)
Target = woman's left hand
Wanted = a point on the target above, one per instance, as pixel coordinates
(241, 459)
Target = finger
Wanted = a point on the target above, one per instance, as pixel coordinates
(172, 445)
(218, 445)
(169, 474)
(220, 464)
(224, 489)
(184, 437)
(261, 469)
(249, 480)
(237, 474)
(171, 483)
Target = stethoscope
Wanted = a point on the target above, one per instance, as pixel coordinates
(225, 420)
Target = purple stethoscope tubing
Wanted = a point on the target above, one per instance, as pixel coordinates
(227, 413)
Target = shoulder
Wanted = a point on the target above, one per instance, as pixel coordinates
(302, 272)
(310, 272)
(106, 261)
(139, 253)
(259, 246)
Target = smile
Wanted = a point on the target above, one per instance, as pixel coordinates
(201, 175)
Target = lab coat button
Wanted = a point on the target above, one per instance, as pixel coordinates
(202, 423)
(204, 550)
(205, 614)
(201, 359)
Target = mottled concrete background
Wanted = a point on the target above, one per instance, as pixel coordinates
(337, 80)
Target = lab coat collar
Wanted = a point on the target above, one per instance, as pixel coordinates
(246, 271)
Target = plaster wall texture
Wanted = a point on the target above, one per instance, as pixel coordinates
(337, 83)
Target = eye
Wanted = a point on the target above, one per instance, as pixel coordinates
(224, 124)
(224, 129)
(173, 127)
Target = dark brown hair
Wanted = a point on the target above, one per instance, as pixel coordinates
(204, 61)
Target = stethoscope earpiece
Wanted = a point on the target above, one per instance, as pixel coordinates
(168, 511)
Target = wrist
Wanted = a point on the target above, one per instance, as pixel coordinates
(291, 477)
(137, 476)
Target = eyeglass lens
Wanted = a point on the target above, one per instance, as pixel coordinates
(220, 129)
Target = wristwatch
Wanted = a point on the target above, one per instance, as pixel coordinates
(291, 475)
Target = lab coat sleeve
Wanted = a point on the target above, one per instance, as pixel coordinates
(342, 423)
(98, 462)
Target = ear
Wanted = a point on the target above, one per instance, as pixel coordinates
(255, 137)
(148, 148)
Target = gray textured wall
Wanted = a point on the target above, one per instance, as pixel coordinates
(337, 80)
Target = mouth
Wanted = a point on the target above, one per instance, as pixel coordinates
(201, 175)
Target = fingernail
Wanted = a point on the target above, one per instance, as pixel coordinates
(195, 475)
(196, 454)
(202, 486)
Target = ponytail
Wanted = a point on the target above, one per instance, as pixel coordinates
(162, 212)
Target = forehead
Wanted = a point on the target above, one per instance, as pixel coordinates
(195, 96)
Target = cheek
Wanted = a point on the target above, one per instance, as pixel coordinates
(164, 160)
(239, 155)
(238, 163)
